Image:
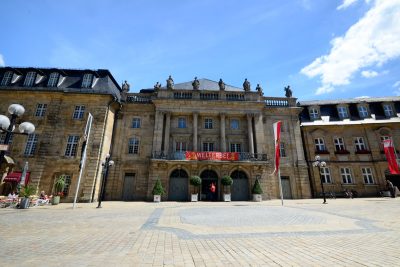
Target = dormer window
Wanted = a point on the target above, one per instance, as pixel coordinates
(343, 114)
(87, 80)
(30, 78)
(53, 79)
(6, 78)
(313, 113)
(363, 111)
(388, 109)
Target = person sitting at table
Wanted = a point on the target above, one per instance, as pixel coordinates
(43, 199)
(12, 196)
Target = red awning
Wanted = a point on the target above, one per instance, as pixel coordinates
(15, 177)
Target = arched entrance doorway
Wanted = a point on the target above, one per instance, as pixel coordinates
(240, 186)
(178, 186)
(208, 177)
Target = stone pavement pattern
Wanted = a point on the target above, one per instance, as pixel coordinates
(346, 232)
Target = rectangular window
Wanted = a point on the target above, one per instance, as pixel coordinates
(181, 122)
(87, 80)
(363, 111)
(326, 175)
(387, 108)
(236, 148)
(133, 146)
(72, 145)
(180, 146)
(136, 123)
(208, 146)
(339, 144)
(346, 175)
(282, 150)
(7, 78)
(343, 112)
(79, 112)
(40, 110)
(319, 144)
(234, 124)
(360, 145)
(53, 79)
(30, 78)
(367, 175)
(3, 138)
(31, 145)
(383, 138)
(313, 113)
(208, 123)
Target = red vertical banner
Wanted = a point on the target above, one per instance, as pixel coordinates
(391, 156)
(277, 137)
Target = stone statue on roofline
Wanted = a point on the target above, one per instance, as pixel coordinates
(170, 83)
(125, 89)
(221, 85)
(157, 86)
(288, 91)
(196, 84)
(259, 89)
(246, 85)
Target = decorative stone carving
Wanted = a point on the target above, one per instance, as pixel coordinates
(196, 84)
(288, 91)
(125, 89)
(157, 86)
(246, 85)
(221, 85)
(170, 83)
(259, 89)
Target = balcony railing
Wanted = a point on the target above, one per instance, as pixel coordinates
(181, 155)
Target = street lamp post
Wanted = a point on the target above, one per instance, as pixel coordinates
(8, 125)
(318, 163)
(106, 164)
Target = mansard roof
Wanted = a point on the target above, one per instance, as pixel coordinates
(70, 80)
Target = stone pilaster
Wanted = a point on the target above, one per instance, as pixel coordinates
(195, 119)
(250, 133)
(167, 129)
(223, 139)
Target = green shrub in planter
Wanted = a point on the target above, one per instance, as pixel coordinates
(257, 188)
(26, 192)
(58, 190)
(226, 181)
(196, 182)
(158, 189)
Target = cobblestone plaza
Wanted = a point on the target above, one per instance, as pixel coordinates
(345, 232)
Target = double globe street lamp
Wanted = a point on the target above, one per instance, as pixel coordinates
(106, 164)
(7, 125)
(318, 163)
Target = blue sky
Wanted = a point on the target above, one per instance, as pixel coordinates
(322, 49)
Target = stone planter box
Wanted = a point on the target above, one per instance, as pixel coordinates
(257, 197)
(227, 197)
(195, 197)
(24, 204)
(55, 200)
(157, 198)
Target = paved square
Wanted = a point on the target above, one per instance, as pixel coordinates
(346, 232)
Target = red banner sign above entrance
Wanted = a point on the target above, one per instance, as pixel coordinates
(229, 156)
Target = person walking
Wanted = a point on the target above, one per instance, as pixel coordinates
(391, 188)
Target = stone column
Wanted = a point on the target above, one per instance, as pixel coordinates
(250, 133)
(157, 138)
(195, 117)
(167, 128)
(223, 139)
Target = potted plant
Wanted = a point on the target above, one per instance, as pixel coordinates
(257, 191)
(158, 191)
(227, 181)
(195, 181)
(58, 190)
(26, 193)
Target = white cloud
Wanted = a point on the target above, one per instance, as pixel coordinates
(2, 63)
(372, 41)
(346, 4)
(396, 85)
(363, 96)
(369, 73)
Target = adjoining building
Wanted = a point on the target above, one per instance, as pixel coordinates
(208, 129)
(57, 102)
(348, 135)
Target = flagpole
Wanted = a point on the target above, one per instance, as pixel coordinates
(83, 159)
(280, 185)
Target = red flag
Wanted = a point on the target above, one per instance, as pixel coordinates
(277, 136)
(390, 156)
